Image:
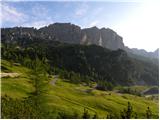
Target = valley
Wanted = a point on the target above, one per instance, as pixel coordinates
(50, 73)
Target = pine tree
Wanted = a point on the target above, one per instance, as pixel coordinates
(148, 113)
(86, 115)
(136, 116)
(127, 113)
(110, 116)
(40, 84)
(95, 116)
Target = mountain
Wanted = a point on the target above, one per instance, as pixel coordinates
(70, 33)
(105, 37)
(143, 53)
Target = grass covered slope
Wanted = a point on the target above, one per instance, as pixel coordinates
(63, 99)
(16, 87)
(71, 97)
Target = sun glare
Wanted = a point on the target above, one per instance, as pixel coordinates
(141, 29)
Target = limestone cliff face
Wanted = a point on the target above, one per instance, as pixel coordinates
(90, 36)
(111, 39)
(104, 37)
(69, 33)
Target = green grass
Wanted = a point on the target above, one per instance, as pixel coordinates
(65, 94)
(68, 97)
(135, 87)
(18, 87)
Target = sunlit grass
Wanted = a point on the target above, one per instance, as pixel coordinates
(67, 97)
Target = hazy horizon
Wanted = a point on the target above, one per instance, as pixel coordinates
(136, 22)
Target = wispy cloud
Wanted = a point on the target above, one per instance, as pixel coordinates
(37, 16)
(81, 10)
(39, 11)
(40, 16)
(11, 14)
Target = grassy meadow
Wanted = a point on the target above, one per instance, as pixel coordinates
(64, 97)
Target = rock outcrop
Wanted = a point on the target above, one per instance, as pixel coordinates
(111, 39)
(103, 37)
(90, 36)
(63, 32)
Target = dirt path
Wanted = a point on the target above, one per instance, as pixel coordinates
(12, 75)
(54, 80)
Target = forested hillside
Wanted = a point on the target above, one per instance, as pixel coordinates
(94, 62)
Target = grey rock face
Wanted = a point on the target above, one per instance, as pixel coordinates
(63, 32)
(111, 39)
(69, 33)
(90, 36)
(104, 37)
(156, 53)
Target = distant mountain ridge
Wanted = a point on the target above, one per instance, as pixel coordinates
(143, 52)
(70, 33)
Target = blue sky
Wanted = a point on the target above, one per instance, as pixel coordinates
(85, 14)
(126, 18)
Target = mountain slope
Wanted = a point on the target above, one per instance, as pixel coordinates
(91, 61)
(64, 99)
(103, 64)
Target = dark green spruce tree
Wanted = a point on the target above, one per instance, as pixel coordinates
(95, 116)
(127, 113)
(148, 113)
(86, 115)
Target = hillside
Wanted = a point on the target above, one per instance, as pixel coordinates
(92, 62)
(63, 99)
(102, 64)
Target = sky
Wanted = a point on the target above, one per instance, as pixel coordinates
(138, 22)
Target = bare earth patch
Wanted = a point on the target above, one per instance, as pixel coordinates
(54, 80)
(12, 75)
